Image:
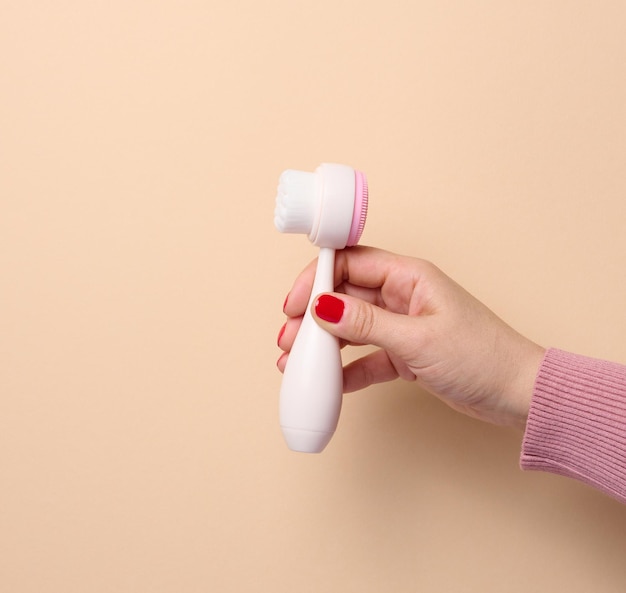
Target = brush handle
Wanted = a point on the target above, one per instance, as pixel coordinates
(312, 386)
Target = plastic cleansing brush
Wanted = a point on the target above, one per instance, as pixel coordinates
(330, 206)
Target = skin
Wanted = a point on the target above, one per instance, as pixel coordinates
(428, 329)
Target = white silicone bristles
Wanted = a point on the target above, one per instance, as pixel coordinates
(329, 205)
(295, 202)
(360, 208)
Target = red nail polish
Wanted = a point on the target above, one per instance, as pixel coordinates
(280, 333)
(285, 303)
(329, 308)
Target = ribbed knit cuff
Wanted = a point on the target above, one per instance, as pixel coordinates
(577, 421)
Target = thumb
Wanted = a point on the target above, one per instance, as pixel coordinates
(359, 322)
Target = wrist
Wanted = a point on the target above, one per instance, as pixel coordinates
(521, 385)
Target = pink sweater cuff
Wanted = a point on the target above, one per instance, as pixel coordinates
(577, 422)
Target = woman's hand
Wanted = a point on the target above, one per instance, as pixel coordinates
(427, 328)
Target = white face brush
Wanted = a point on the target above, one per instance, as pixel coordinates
(330, 206)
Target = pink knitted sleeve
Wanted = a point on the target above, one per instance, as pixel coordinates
(577, 421)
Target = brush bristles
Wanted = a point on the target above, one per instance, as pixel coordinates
(294, 212)
(363, 213)
(360, 209)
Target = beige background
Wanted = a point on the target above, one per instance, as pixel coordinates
(141, 284)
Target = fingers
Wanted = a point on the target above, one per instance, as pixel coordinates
(360, 322)
(288, 332)
(358, 270)
(377, 367)
(281, 363)
(298, 297)
(360, 277)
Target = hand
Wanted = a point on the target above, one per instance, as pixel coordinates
(428, 329)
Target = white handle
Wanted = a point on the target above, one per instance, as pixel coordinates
(312, 387)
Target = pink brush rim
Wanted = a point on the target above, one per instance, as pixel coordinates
(360, 208)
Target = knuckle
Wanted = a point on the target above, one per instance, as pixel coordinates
(364, 324)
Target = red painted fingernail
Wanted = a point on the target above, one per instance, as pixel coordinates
(285, 303)
(280, 333)
(329, 308)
